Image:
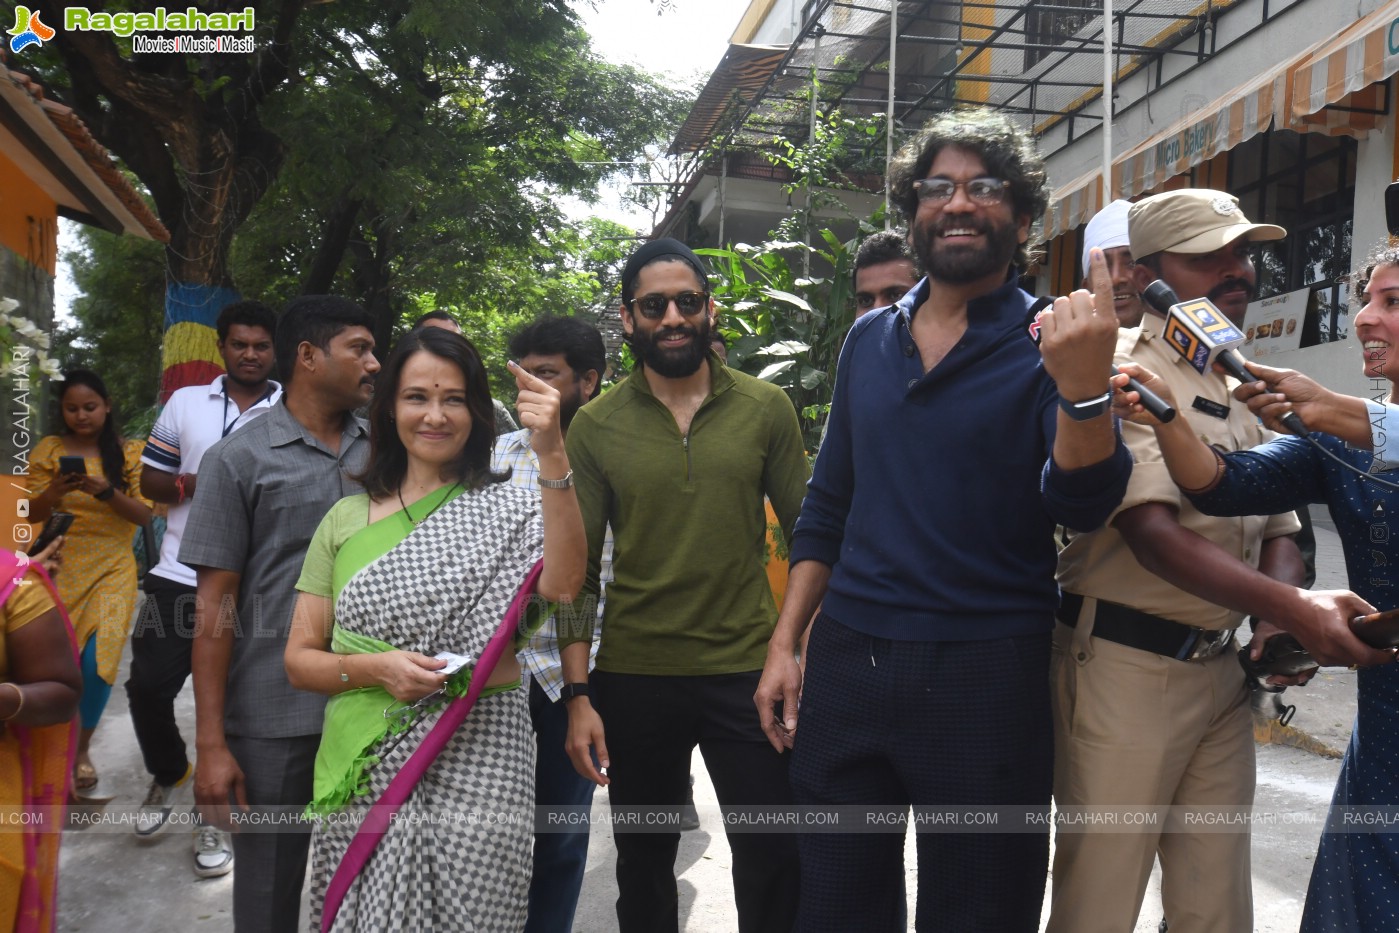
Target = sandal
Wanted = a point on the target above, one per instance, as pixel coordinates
(84, 776)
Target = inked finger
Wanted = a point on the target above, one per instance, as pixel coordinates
(1101, 281)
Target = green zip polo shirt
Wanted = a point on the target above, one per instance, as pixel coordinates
(689, 593)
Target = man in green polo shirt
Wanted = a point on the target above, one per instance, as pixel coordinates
(677, 458)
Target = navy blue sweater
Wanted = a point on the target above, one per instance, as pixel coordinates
(934, 497)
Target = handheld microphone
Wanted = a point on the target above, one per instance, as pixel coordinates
(1200, 332)
(1149, 399)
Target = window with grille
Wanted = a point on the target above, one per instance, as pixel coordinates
(1048, 23)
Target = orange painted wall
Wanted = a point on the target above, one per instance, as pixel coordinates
(28, 218)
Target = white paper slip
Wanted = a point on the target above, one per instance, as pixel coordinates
(455, 662)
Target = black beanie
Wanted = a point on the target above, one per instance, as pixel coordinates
(664, 248)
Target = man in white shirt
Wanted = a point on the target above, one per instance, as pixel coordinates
(193, 420)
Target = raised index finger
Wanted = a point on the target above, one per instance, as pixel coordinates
(1101, 280)
(526, 380)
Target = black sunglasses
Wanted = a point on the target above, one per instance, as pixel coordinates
(653, 307)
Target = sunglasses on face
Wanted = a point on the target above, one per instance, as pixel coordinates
(985, 190)
(653, 307)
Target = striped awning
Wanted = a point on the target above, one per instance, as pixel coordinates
(1333, 88)
(741, 75)
(1200, 135)
(1074, 203)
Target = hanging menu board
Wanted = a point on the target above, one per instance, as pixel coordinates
(1275, 324)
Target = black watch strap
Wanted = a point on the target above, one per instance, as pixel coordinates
(1088, 409)
(570, 691)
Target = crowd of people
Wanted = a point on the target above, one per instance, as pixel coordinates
(1009, 585)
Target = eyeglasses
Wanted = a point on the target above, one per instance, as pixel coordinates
(653, 307)
(986, 190)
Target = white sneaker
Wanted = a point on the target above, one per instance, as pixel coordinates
(160, 802)
(213, 855)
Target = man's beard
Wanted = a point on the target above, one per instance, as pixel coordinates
(959, 265)
(236, 376)
(570, 403)
(679, 362)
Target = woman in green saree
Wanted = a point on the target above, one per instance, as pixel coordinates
(428, 560)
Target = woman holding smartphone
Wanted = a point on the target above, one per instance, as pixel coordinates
(98, 583)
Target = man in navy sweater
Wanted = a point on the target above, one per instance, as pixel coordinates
(926, 538)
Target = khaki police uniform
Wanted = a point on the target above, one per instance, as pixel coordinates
(1138, 729)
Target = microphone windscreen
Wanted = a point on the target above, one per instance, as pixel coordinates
(1160, 296)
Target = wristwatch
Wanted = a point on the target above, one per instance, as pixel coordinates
(564, 483)
(105, 494)
(1087, 410)
(570, 691)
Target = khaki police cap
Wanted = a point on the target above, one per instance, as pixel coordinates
(1191, 220)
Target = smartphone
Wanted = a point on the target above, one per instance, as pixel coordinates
(72, 465)
(58, 524)
(1378, 629)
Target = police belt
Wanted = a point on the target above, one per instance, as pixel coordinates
(1127, 626)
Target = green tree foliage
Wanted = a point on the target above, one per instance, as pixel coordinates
(381, 149)
(577, 272)
(119, 317)
(782, 327)
(785, 322)
(388, 200)
(429, 182)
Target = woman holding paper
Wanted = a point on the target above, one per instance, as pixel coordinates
(433, 558)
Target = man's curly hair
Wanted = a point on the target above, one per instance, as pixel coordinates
(1006, 151)
(1382, 255)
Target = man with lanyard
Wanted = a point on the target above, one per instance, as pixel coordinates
(192, 421)
(569, 355)
(263, 490)
(926, 539)
(1151, 710)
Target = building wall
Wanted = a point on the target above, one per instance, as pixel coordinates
(1145, 107)
(1375, 168)
(28, 218)
(778, 26)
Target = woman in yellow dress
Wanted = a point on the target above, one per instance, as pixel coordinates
(98, 583)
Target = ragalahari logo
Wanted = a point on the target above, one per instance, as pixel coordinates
(28, 30)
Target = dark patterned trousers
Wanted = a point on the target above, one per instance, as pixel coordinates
(888, 724)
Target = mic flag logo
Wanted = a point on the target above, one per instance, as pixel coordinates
(1036, 326)
(1187, 344)
(28, 30)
